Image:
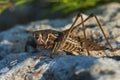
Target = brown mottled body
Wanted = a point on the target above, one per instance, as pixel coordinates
(67, 40)
(74, 44)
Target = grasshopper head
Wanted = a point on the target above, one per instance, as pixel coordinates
(38, 37)
(45, 38)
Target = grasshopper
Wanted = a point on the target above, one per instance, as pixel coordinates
(68, 42)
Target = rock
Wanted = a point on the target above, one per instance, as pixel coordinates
(107, 11)
(115, 32)
(16, 64)
(63, 68)
(118, 39)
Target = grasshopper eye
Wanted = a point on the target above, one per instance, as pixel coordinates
(36, 36)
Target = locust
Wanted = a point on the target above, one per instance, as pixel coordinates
(67, 41)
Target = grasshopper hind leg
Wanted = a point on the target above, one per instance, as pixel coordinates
(60, 43)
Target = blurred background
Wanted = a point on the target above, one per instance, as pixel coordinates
(14, 12)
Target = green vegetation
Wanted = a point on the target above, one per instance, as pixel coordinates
(70, 5)
(4, 4)
(65, 6)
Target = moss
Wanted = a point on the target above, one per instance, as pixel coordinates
(65, 6)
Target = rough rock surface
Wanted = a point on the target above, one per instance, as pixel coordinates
(16, 64)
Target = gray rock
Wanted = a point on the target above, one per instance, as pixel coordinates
(16, 64)
(64, 68)
(107, 11)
